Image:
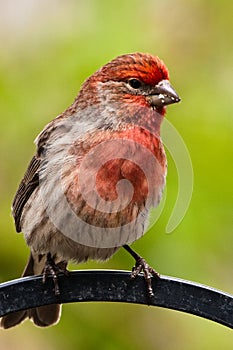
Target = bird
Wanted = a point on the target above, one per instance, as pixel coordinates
(98, 169)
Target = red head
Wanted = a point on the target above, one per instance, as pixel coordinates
(148, 69)
(137, 78)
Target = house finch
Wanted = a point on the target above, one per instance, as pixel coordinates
(98, 169)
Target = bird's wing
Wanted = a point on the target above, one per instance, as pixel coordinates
(30, 180)
(28, 184)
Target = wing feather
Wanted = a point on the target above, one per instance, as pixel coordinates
(28, 184)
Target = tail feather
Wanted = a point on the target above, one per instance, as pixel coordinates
(42, 316)
(13, 319)
(45, 316)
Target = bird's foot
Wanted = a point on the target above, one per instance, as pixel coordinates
(142, 266)
(54, 269)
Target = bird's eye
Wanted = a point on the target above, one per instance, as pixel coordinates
(135, 83)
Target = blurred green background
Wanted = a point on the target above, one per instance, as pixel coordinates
(47, 49)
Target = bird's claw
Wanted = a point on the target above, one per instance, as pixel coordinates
(142, 266)
(54, 269)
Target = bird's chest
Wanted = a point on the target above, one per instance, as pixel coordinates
(120, 167)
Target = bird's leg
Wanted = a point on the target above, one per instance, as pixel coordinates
(142, 266)
(54, 269)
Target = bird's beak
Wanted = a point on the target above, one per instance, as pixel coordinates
(163, 94)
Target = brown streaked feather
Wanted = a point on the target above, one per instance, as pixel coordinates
(28, 184)
(31, 178)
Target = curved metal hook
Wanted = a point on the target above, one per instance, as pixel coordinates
(116, 286)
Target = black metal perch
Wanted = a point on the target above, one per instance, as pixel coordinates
(116, 286)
